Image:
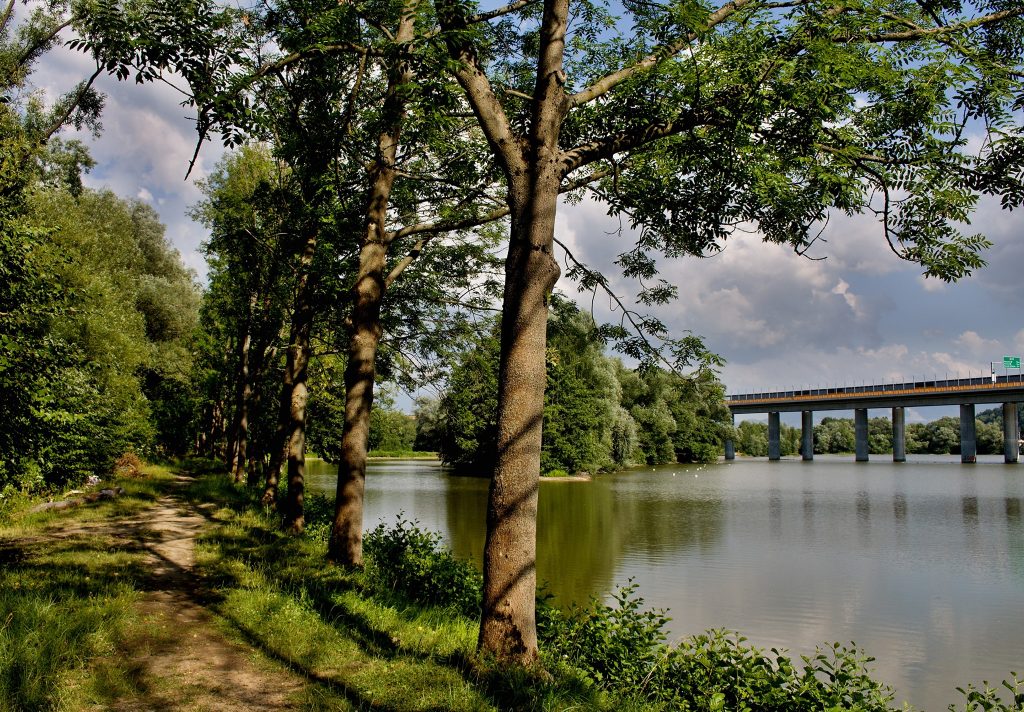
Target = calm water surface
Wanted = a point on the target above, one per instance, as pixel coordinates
(921, 564)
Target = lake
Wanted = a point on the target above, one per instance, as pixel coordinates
(920, 563)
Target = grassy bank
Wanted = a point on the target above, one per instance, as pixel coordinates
(402, 455)
(67, 590)
(398, 635)
(364, 644)
(401, 633)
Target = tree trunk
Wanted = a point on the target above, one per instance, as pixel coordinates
(296, 361)
(508, 626)
(256, 446)
(244, 395)
(298, 356)
(278, 442)
(294, 396)
(346, 542)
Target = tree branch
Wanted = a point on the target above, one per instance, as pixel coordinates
(490, 114)
(499, 12)
(914, 32)
(627, 314)
(318, 51)
(432, 229)
(610, 81)
(608, 146)
(8, 12)
(485, 16)
(61, 120)
(42, 42)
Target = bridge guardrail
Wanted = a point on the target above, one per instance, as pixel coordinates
(950, 385)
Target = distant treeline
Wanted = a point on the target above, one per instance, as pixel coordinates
(598, 416)
(836, 435)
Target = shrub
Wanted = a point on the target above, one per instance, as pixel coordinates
(991, 698)
(718, 670)
(622, 648)
(616, 646)
(318, 512)
(128, 465)
(413, 562)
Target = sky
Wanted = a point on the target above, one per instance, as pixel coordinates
(854, 314)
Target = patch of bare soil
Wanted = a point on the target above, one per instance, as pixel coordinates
(184, 662)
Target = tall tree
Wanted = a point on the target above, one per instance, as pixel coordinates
(753, 113)
(424, 174)
(247, 210)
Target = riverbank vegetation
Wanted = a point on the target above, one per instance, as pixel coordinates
(836, 435)
(396, 173)
(398, 634)
(598, 414)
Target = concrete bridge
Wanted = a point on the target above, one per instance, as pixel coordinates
(965, 392)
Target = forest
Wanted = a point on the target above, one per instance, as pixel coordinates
(393, 182)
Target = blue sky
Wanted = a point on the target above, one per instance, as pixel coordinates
(779, 320)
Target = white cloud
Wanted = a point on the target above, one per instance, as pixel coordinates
(931, 284)
(145, 146)
(843, 290)
(1018, 341)
(976, 345)
(944, 365)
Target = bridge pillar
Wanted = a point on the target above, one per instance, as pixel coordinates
(1011, 433)
(730, 446)
(899, 435)
(968, 435)
(807, 434)
(774, 449)
(860, 431)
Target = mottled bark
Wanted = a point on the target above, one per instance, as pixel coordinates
(289, 444)
(508, 626)
(345, 546)
(346, 543)
(278, 442)
(243, 398)
(534, 168)
(298, 356)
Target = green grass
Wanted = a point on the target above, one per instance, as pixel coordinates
(403, 454)
(67, 597)
(360, 648)
(71, 637)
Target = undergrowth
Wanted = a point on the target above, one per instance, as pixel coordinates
(619, 650)
(399, 634)
(67, 596)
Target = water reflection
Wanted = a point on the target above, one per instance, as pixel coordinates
(921, 563)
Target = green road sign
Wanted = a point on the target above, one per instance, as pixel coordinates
(1011, 361)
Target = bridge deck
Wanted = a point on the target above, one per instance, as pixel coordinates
(954, 391)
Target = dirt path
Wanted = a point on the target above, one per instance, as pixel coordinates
(183, 661)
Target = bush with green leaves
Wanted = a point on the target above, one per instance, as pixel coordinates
(993, 698)
(318, 511)
(413, 562)
(617, 646)
(622, 647)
